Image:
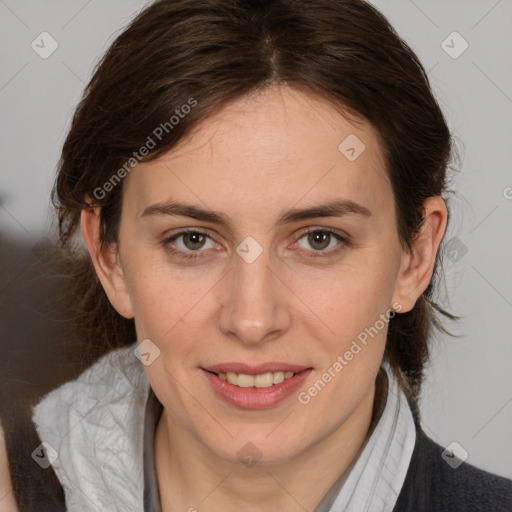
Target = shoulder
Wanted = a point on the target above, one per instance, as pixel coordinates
(432, 484)
(112, 386)
(7, 500)
(33, 486)
(92, 428)
(115, 375)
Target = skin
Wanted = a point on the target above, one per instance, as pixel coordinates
(254, 159)
(7, 500)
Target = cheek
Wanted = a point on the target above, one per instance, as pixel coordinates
(162, 308)
(147, 287)
(355, 305)
(166, 305)
(358, 320)
(352, 298)
(356, 309)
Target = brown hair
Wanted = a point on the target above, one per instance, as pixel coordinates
(215, 51)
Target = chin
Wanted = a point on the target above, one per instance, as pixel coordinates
(257, 449)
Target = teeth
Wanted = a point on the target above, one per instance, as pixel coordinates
(246, 381)
(264, 380)
(278, 377)
(261, 381)
(232, 378)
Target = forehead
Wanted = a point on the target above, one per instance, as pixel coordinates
(277, 147)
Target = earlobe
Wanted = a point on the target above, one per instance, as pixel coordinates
(418, 262)
(106, 262)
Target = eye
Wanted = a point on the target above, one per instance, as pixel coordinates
(322, 241)
(188, 242)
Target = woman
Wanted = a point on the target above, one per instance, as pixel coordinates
(259, 186)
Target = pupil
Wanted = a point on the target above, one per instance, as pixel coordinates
(319, 238)
(196, 240)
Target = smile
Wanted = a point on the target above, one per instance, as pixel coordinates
(256, 390)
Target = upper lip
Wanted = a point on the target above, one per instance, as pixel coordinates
(255, 369)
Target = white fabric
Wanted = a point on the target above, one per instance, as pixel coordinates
(376, 479)
(96, 425)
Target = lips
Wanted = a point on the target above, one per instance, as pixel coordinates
(253, 389)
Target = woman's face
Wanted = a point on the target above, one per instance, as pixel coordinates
(253, 292)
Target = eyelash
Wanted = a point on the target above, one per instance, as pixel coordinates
(192, 255)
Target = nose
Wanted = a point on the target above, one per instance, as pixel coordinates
(253, 303)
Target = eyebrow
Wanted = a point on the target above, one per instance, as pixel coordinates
(334, 208)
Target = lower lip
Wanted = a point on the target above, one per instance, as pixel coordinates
(256, 398)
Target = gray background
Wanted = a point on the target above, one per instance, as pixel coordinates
(468, 394)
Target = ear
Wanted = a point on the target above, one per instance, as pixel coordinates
(418, 262)
(105, 258)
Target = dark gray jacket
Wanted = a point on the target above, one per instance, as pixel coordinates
(431, 485)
